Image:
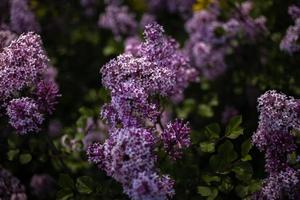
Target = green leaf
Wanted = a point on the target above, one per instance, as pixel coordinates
(213, 130)
(205, 111)
(243, 171)
(207, 147)
(204, 191)
(65, 194)
(246, 147)
(214, 194)
(65, 181)
(188, 107)
(208, 179)
(242, 191)
(225, 156)
(25, 158)
(246, 158)
(85, 185)
(12, 154)
(226, 185)
(233, 130)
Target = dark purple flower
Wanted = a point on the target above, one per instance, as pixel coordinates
(24, 115)
(21, 64)
(176, 137)
(47, 93)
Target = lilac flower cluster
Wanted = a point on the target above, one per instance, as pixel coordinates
(210, 39)
(21, 18)
(119, 20)
(279, 115)
(11, 187)
(290, 41)
(24, 67)
(146, 70)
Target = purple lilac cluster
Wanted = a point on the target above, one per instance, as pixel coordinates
(279, 115)
(24, 68)
(289, 43)
(119, 20)
(146, 70)
(10, 187)
(210, 39)
(172, 6)
(22, 19)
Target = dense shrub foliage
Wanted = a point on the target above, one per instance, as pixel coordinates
(149, 99)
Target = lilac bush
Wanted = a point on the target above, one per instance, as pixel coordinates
(156, 68)
(211, 39)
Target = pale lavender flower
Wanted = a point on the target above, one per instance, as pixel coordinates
(211, 38)
(176, 137)
(119, 20)
(22, 19)
(290, 41)
(24, 115)
(294, 12)
(132, 45)
(251, 27)
(11, 187)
